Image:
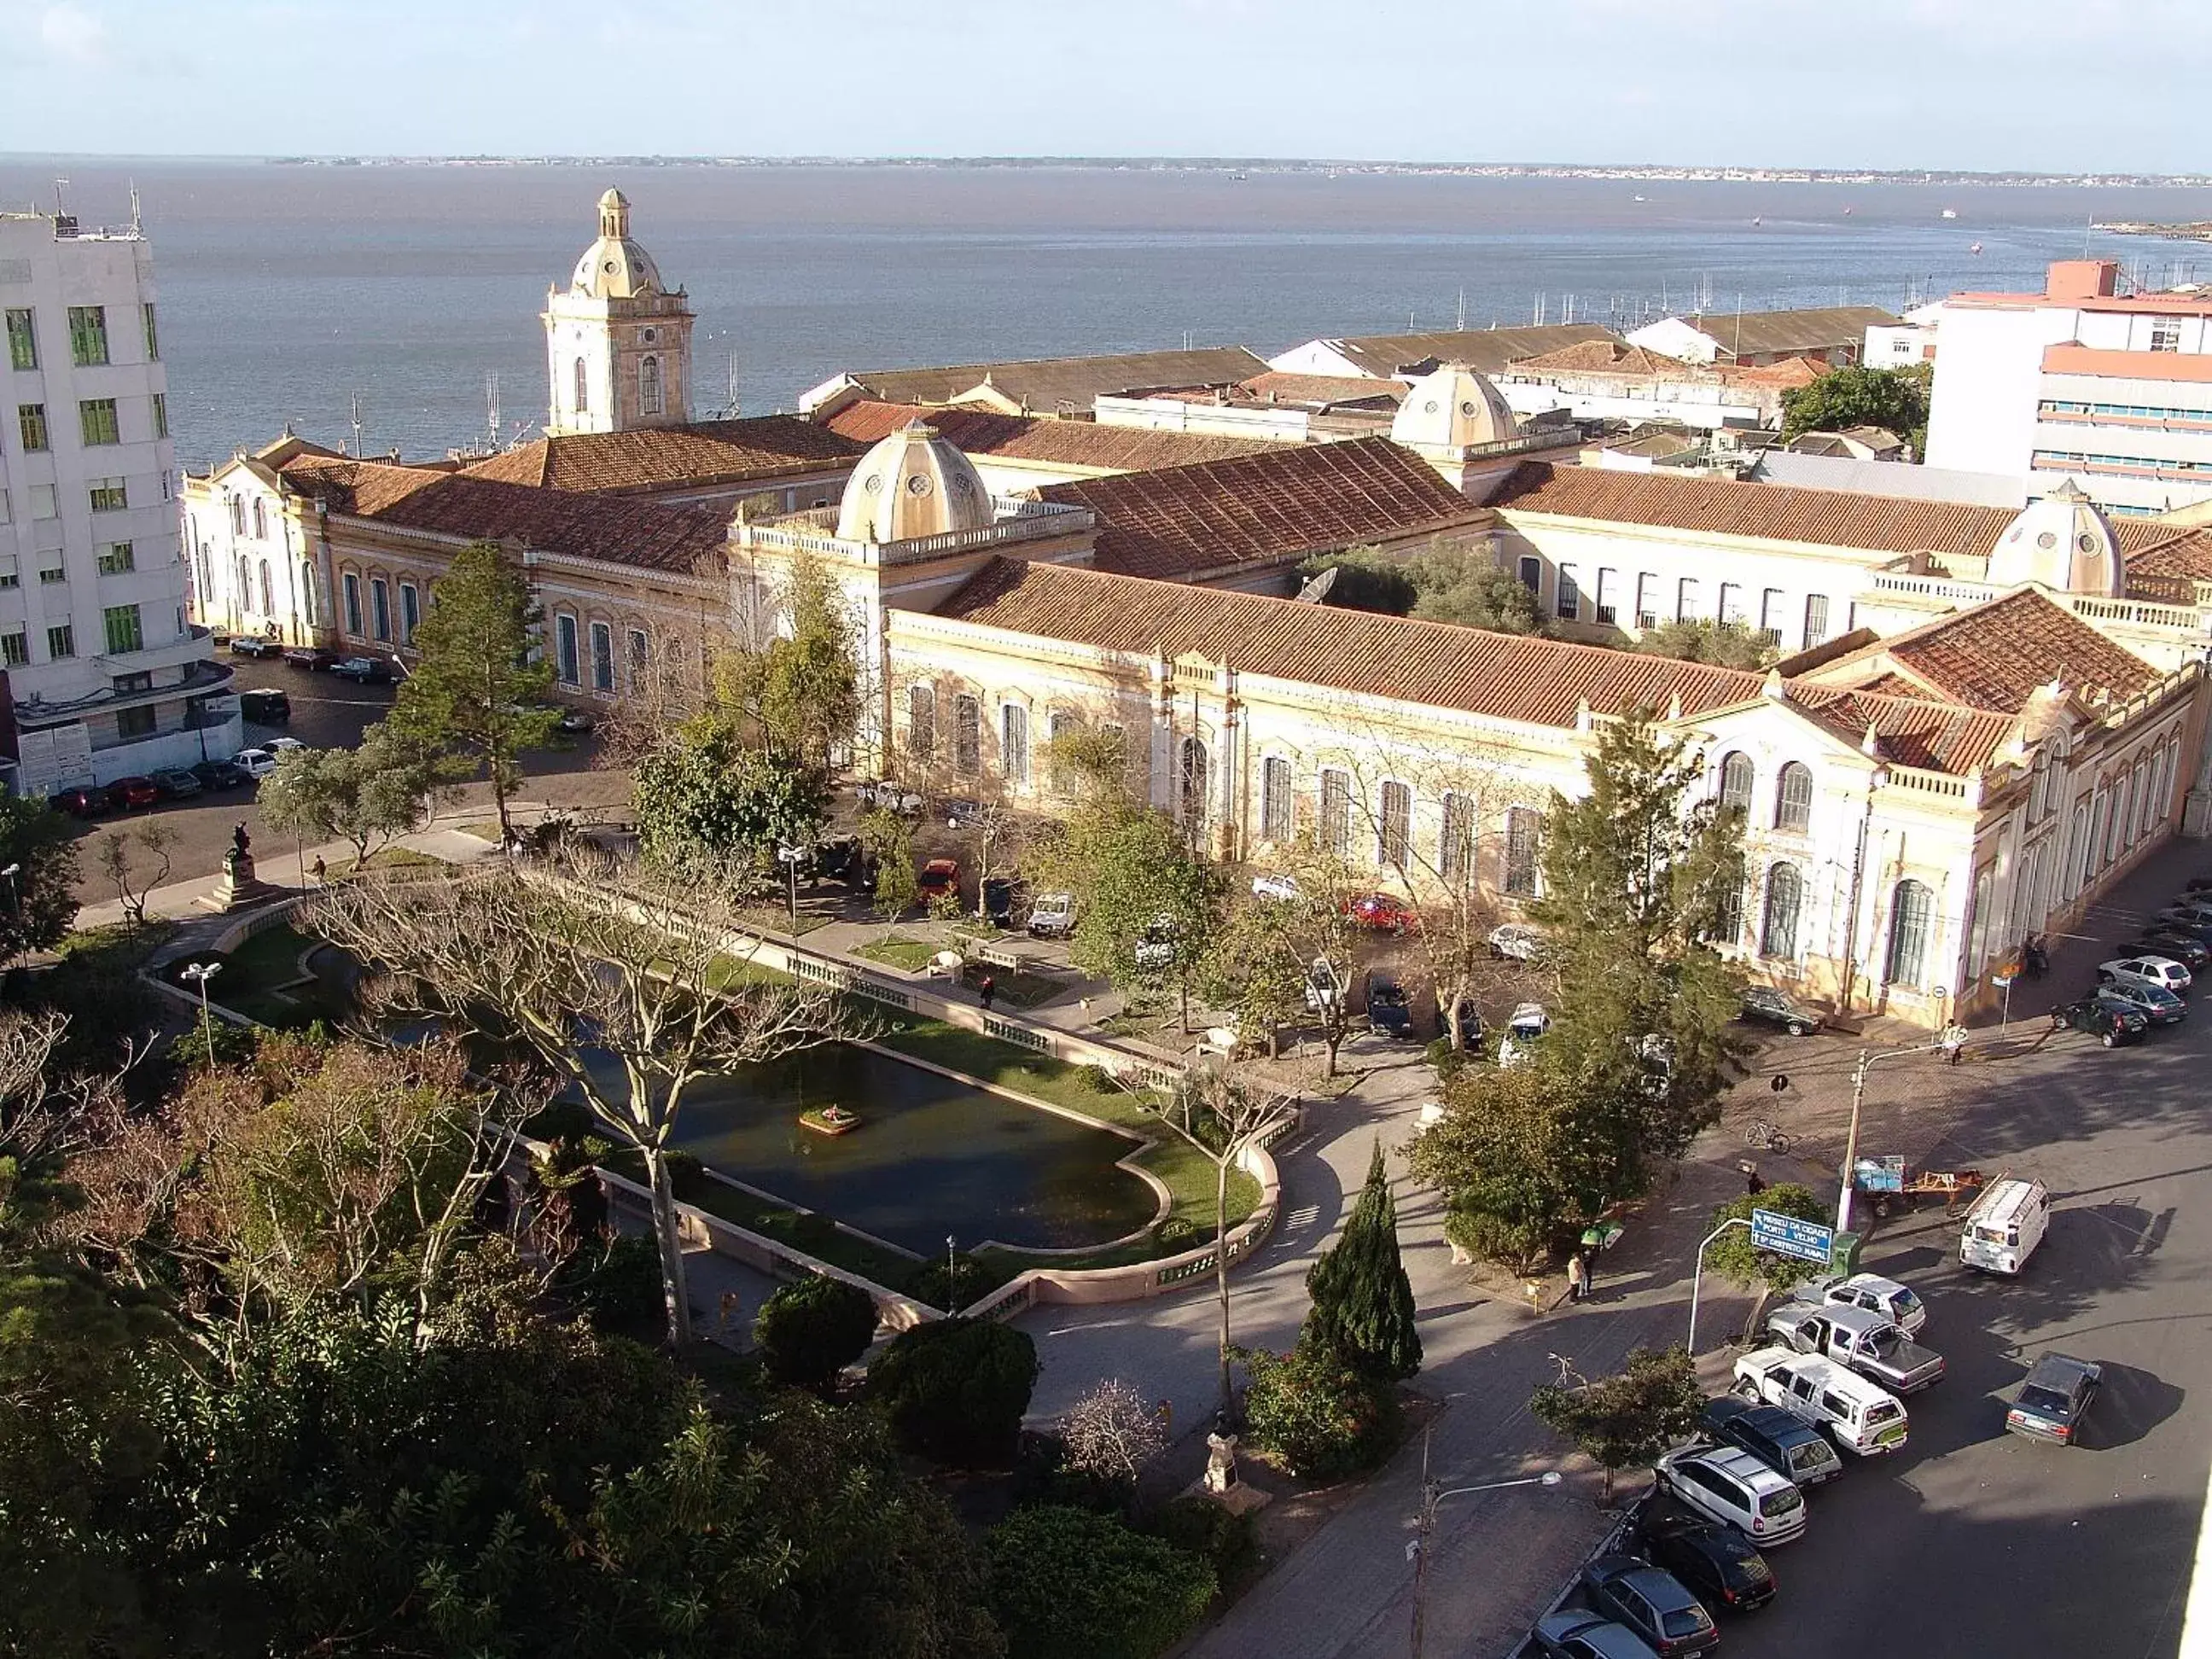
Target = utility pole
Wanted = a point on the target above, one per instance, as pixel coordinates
(1867, 1058)
(1425, 1526)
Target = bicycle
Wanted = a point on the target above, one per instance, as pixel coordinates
(1761, 1134)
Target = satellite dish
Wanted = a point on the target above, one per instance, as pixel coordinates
(1316, 592)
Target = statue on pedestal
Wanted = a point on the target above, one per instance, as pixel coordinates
(238, 863)
(1220, 1461)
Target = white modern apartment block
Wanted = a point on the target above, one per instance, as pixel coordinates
(2079, 381)
(103, 677)
(1903, 344)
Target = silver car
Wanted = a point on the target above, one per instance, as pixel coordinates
(2162, 971)
(2159, 1006)
(1518, 940)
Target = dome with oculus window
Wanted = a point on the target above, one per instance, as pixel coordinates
(913, 484)
(615, 267)
(2064, 542)
(1453, 408)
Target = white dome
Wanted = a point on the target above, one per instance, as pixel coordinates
(1453, 408)
(2063, 541)
(913, 484)
(615, 267)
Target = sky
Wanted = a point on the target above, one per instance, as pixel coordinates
(2051, 85)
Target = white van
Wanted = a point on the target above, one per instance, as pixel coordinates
(2005, 1225)
(1858, 1415)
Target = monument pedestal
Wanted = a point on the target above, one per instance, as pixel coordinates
(237, 887)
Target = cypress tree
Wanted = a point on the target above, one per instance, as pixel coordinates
(1362, 1302)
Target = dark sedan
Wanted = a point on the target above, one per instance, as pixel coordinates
(1652, 1602)
(220, 775)
(2054, 1399)
(1716, 1562)
(255, 645)
(88, 802)
(312, 657)
(2110, 1023)
(175, 783)
(1764, 1002)
(2191, 952)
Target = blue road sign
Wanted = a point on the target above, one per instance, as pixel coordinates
(1785, 1235)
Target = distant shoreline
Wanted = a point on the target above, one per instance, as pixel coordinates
(2197, 231)
(1636, 173)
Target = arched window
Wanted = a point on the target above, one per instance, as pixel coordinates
(1793, 799)
(1455, 844)
(268, 588)
(2077, 850)
(1735, 782)
(1728, 916)
(1524, 836)
(1336, 813)
(307, 593)
(968, 734)
(260, 521)
(1978, 924)
(583, 388)
(1058, 724)
(2140, 817)
(1192, 780)
(2025, 913)
(1014, 744)
(1911, 922)
(1275, 798)
(648, 386)
(1395, 844)
(238, 515)
(1785, 897)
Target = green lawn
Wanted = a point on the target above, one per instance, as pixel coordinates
(910, 955)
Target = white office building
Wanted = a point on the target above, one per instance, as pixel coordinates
(2081, 381)
(101, 676)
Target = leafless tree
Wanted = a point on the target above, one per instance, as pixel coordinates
(1111, 1431)
(135, 878)
(618, 983)
(1221, 1117)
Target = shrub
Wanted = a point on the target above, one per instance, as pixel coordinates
(1043, 1475)
(1175, 1232)
(190, 1051)
(1069, 1584)
(1220, 1537)
(810, 1331)
(1317, 1414)
(973, 1279)
(1095, 1079)
(561, 1120)
(687, 1176)
(617, 1281)
(955, 1389)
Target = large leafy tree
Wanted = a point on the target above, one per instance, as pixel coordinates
(1733, 1255)
(1705, 638)
(1626, 1421)
(703, 796)
(1362, 1302)
(1070, 1583)
(40, 897)
(799, 691)
(479, 682)
(1637, 873)
(1134, 872)
(1895, 399)
(1366, 579)
(1464, 585)
(365, 795)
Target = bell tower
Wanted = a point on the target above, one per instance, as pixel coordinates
(618, 341)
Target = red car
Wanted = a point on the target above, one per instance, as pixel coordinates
(129, 793)
(939, 877)
(1383, 913)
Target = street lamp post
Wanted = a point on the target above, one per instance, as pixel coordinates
(200, 972)
(14, 911)
(1432, 1495)
(951, 1277)
(789, 857)
(1867, 1058)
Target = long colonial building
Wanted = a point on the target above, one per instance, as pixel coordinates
(1982, 718)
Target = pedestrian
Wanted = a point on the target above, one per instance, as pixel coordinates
(319, 870)
(987, 988)
(1754, 1183)
(1954, 1043)
(1577, 1278)
(1588, 1257)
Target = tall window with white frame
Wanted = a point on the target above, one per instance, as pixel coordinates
(1728, 915)
(602, 658)
(1395, 841)
(1647, 600)
(1977, 929)
(641, 660)
(1455, 842)
(1336, 813)
(1793, 799)
(1785, 899)
(968, 734)
(1275, 824)
(1608, 596)
(583, 380)
(1816, 619)
(379, 607)
(921, 722)
(1911, 925)
(1014, 744)
(351, 585)
(566, 668)
(1570, 596)
(1736, 777)
(1195, 785)
(1685, 600)
(410, 611)
(1731, 610)
(648, 386)
(1770, 615)
(1524, 833)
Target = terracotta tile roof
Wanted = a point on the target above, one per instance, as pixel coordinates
(1996, 655)
(611, 530)
(2185, 557)
(1277, 387)
(1052, 386)
(1282, 501)
(1488, 349)
(1543, 682)
(1606, 354)
(701, 454)
(1791, 371)
(1827, 518)
(1024, 438)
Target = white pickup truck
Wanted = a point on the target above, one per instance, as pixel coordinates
(1871, 1344)
(1858, 1415)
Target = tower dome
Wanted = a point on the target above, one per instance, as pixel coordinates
(2064, 543)
(615, 267)
(1453, 408)
(913, 484)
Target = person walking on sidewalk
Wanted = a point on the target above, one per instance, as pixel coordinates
(985, 990)
(1954, 1043)
(1578, 1281)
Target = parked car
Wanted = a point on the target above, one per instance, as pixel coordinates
(1872, 1292)
(2005, 1225)
(1764, 1002)
(1324, 986)
(86, 802)
(575, 722)
(363, 671)
(1053, 915)
(2186, 949)
(841, 858)
(2053, 1399)
(1389, 1010)
(939, 878)
(2159, 1006)
(1522, 1032)
(1577, 1634)
(2192, 922)
(1157, 949)
(256, 763)
(283, 746)
(1652, 1602)
(220, 775)
(264, 706)
(1275, 886)
(998, 901)
(1856, 1414)
(888, 796)
(1384, 914)
(2197, 906)
(175, 783)
(2111, 1022)
(1792, 1448)
(1871, 1344)
(1713, 1560)
(1729, 1485)
(2161, 971)
(255, 645)
(312, 658)
(133, 792)
(961, 814)
(1518, 940)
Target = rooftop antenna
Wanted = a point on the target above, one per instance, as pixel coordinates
(1186, 340)
(491, 408)
(60, 212)
(733, 387)
(355, 418)
(1463, 307)
(135, 215)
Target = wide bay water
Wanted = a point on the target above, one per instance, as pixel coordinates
(286, 292)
